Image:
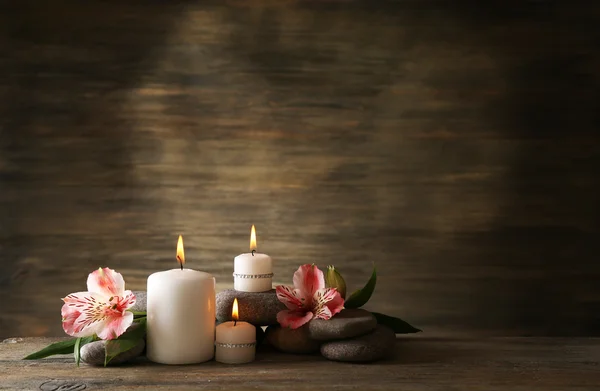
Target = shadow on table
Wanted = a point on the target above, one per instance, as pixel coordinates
(428, 350)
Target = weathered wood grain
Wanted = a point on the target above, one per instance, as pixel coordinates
(454, 144)
(418, 364)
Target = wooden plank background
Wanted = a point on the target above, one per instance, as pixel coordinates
(454, 146)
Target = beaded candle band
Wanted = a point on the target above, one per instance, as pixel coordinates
(235, 353)
(235, 345)
(238, 275)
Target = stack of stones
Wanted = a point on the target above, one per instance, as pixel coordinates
(353, 335)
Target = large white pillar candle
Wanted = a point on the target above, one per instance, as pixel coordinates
(253, 271)
(236, 341)
(180, 315)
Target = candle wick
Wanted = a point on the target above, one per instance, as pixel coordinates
(253, 252)
(181, 264)
(234, 323)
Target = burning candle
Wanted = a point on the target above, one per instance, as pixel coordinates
(253, 271)
(181, 315)
(236, 341)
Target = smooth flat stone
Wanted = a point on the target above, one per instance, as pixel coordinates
(93, 354)
(257, 308)
(140, 301)
(292, 341)
(369, 347)
(347, 324)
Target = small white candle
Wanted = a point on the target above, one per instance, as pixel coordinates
(236, 341)
(253, 271)
(181, 315)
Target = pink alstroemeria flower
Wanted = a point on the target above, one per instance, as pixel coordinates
(308, 298)
(102, 310)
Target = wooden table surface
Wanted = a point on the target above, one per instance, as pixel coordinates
(419, 362)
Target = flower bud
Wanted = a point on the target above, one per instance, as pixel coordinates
(334, 279)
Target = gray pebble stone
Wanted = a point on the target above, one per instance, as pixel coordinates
(93, 353)
(369, 347)
(140, 302)
(257, 308)
(291, 341)
(347, 324)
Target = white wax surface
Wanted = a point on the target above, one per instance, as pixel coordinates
(249, 264)
(181, 317)
(241, 333)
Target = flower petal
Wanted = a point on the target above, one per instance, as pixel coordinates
(89, 329)
(73, 325)
(309, 279)
(323, 296)
(127, 300)
(289, 297)
(115, 326)
(293, 319)
(84, 313)
(80, 301)
(323, 313)
(106, 282)
(336, 304)
(69, 316)
(330, 299)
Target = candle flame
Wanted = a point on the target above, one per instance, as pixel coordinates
(253, 238)
(180, 254)
(234, 311)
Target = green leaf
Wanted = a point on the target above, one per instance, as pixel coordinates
(362, 296)
(62, 347)
(398, 325)
(128, 340)
(334, 279)
(138, 313)
(76, 350)
(79, 342)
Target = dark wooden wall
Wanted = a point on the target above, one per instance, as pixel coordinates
(453, 145)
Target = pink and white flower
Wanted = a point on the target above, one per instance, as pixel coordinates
(308, 298)
(102, 310)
